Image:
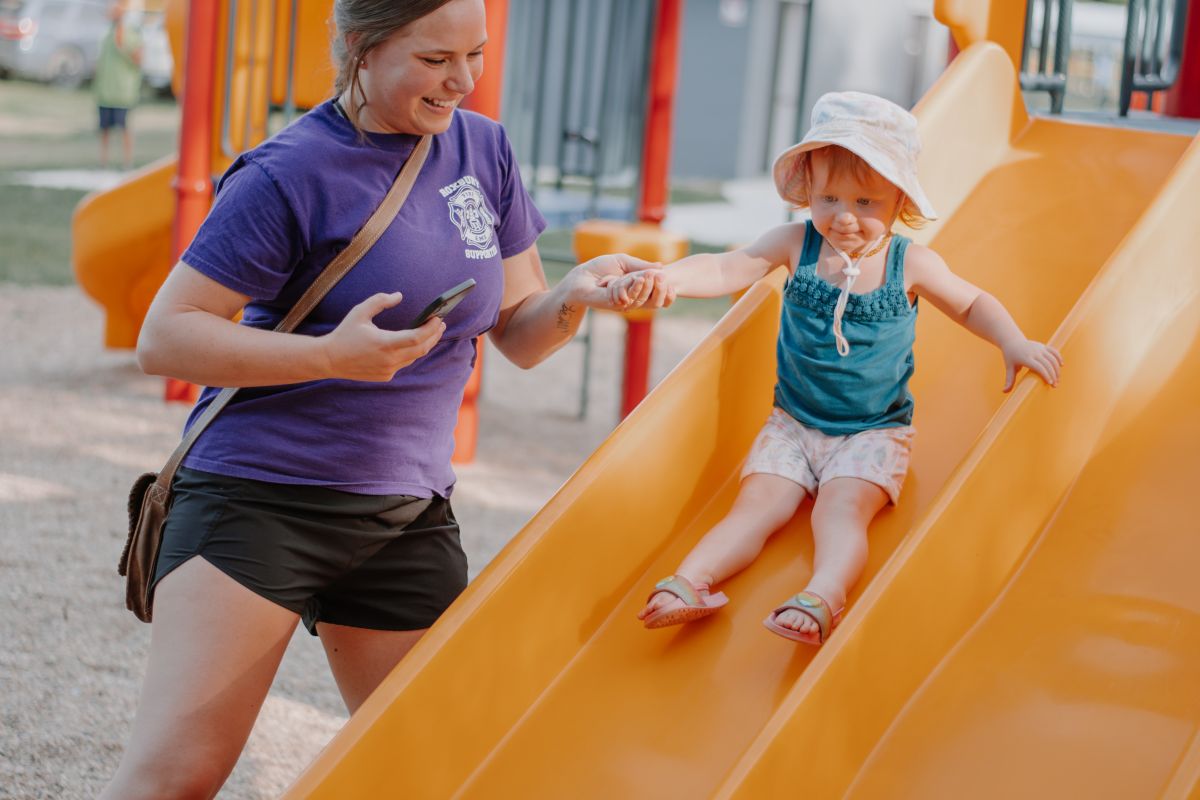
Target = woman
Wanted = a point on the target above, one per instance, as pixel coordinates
(297, 495)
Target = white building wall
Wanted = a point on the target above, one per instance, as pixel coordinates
(734, 112)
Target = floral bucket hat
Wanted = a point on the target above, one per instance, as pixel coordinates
(876, 130)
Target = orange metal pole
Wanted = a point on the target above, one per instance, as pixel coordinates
(485, 99)
(193, 184)
(652, 203)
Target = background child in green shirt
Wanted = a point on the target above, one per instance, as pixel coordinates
(118, 81)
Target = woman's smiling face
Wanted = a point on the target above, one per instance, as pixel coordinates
(415, 80)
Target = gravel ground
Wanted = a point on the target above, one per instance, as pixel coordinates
(77, 423)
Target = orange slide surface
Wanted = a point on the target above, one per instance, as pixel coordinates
(1025, 624)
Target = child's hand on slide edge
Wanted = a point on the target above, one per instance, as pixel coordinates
(1039, 358)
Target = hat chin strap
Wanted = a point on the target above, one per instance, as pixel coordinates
(851, 271)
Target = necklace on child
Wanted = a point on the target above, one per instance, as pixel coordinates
(858, 257)
(882, 244)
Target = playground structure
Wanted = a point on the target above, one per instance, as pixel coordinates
(1027, 623)
(126, 239)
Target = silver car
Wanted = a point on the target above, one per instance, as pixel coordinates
(52, 40)
(157, 62)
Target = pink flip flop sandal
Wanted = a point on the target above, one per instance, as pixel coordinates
(816, 608)
(697, 602)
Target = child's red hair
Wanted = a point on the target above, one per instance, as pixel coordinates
(841, 161)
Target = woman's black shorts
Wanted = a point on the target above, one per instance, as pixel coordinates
(385, 562)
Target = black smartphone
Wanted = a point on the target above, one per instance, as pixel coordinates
(445, 302)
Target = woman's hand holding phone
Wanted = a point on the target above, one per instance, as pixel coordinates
(444, 303)
(359, 350)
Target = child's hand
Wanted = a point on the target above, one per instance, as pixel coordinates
(1037, 357)
(634, 289)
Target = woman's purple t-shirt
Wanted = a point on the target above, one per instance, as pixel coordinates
(282, 212)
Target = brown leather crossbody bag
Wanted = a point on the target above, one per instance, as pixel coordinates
(151, 495)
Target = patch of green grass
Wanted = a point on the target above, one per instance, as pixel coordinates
(696, 192)
(692, 191)
(35, 227)
(81, 150)
(48, 128)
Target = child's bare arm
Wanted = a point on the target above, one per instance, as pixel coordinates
(981, 314)
(718, 274)
(710, 274)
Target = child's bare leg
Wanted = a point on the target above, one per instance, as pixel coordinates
(764, 503)
(843, 509)
(127, 147)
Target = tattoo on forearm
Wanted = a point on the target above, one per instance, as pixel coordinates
(565, 312)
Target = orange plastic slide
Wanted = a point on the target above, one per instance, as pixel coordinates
(121, 248)
(1038, 633)
(1025, 620)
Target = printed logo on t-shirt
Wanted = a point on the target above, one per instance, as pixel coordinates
(470, 214)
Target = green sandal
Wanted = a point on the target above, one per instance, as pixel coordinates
(697, 602)
(816, 608)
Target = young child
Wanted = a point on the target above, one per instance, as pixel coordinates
(841, 427)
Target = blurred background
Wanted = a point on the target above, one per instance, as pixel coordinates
(574, 102)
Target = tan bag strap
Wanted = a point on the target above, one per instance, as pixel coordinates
(334, 272)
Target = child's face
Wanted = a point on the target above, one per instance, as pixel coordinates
(851, 208)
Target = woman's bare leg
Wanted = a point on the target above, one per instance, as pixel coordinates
(361, 658)
(214, 650)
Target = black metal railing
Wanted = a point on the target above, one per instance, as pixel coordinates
(1154, 36)
(1155, 31)
(575, 87)
(1050, 75)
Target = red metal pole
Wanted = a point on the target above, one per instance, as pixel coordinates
(656, 159)
(639, 331)
(193, 183)
(1183, 99)
(652, 202)
(485, 99)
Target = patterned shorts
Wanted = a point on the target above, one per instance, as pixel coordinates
(786, 448)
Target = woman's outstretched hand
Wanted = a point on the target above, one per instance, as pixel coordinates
(358, 350)
(591, 280)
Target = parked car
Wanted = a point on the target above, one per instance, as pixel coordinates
(157, 62)
(52, 40)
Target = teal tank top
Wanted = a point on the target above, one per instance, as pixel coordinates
(866, 389)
